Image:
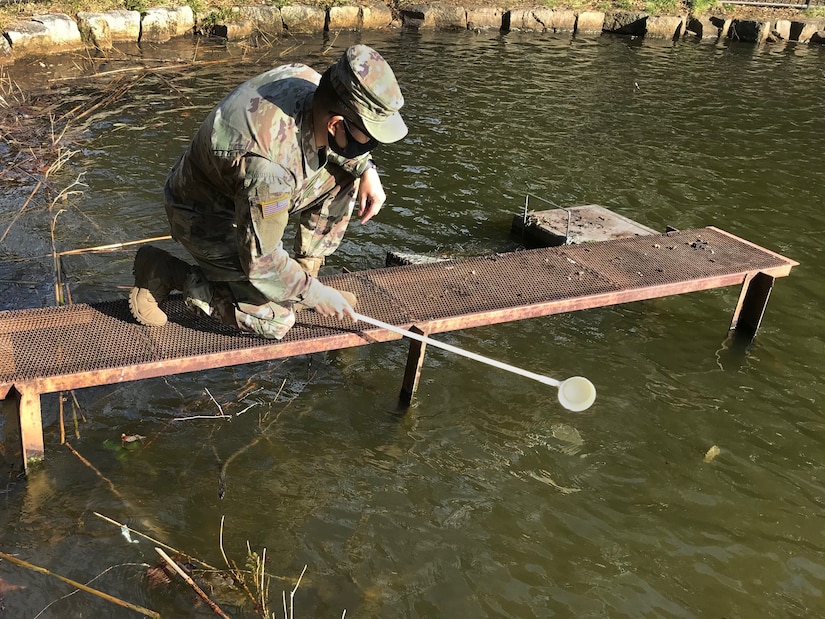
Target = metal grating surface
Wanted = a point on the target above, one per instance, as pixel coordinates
(54, 342)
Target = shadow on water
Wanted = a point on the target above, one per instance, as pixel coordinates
(483, 498)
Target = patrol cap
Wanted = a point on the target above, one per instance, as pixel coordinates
(366, 84)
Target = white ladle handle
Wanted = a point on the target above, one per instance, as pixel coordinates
(459, 351)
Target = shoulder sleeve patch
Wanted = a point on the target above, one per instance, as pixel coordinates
(275, 205)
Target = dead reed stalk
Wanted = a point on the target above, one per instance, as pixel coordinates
(81, 586)
(155, 541)
(191, 583)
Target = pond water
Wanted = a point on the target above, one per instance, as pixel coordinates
(485, 499)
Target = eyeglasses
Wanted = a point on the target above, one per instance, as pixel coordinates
(350, 124)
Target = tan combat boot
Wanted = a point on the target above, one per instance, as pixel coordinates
(157, 273)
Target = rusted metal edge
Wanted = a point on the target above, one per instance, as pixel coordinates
(350, 339)
(788, 262)
(194, 363)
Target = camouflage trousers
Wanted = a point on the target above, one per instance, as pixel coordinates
(220, 302)
(324, 221)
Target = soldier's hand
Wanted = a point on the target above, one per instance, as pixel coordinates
(334, 302)
(371, 196)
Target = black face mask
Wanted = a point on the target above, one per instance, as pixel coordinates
(353, 147)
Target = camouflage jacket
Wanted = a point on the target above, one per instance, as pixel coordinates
(251, 164)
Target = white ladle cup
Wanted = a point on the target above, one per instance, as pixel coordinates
(575, 394)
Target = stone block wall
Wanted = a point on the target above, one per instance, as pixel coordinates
(50, 33)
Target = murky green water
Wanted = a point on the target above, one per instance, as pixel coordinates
(486, 499)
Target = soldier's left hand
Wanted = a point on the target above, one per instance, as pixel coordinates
(371, 196)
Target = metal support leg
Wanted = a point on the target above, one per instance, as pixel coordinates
(751, 306)
(31, 425)
(412, 373)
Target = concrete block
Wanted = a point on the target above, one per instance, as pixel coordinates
(578, 224)
(439, 16)
(299, 18)
(750, 31)
(702, 27)
(724, 25)
(665, 27)
(161, 24)
(486, 18)
(94, 29)
(235, 30)
(632, 24)
(809, 30)
(344, 18)
(562, 21)
(101, 29)
(182, 20)
(6, 56)
(521, 19)
(265, 18)
(782, 30)
(376, 17)
(44, 34)
(542, 20)
(590, 22)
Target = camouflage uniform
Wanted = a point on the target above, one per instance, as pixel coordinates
(252, 164)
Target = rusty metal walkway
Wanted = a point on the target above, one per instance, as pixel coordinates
(60, 348)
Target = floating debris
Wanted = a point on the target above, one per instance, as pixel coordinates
(712, 453)
(131, 440)
(124, 530)
(545, 478)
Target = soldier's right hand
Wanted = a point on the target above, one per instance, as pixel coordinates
(332, 302)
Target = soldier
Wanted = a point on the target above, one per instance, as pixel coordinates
(289, 141)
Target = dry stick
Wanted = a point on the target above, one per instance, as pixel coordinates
(75, 422)
(68, 292)
(60, 300)
(79, 408)
(292, 596)
(154, 541)
(141, 68)
(114, 96)
(57, 260)
(228, 461)
(80, 105)
(22, 208)
(220, 543)
(192, 584)
(236, 574)
(82, 587)
(114, 490)
(88, 582)
(58, 163)
(171, 86)
(20, 282)
(112, 246)
(62, 422)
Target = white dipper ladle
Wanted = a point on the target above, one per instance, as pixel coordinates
(575, 394)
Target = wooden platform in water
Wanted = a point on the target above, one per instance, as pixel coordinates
(52, 349)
